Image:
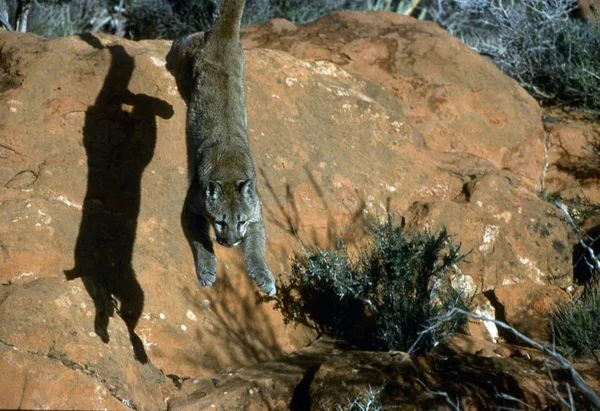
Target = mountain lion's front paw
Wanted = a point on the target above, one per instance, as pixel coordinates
(206, 277)
(265, 281)
(206, 268)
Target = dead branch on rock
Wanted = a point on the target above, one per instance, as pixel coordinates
(508, 397)
(564, 402)
(454, 406)
(370, 403)
(411, 7)
(595, 264)
(561, 361)
(362, 402)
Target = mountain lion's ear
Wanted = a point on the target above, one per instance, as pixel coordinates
(214, 190)
(247, 188)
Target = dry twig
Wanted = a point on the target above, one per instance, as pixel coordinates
(561, 361)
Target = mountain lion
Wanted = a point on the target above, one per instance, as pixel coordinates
(209, 71)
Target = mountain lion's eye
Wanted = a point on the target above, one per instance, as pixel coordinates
(221, 223)
(241, 222)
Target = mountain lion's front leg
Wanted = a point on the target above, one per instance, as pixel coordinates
(254, 255)
(197, 231)
(204, 256)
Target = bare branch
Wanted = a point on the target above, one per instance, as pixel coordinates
(561, 361)
(555, 388)
(592, 255)
(570, 395)
(508, 397)
(455, 406)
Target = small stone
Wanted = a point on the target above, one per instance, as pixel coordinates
(503, 351)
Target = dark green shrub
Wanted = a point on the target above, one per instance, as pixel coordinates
(382, 300)
(577, 326)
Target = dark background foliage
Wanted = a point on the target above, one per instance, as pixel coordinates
(543, 44)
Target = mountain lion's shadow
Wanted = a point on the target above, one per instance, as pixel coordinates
(119, 144)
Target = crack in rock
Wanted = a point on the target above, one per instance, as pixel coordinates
(55, 355)
(7, 152)
(22, 179)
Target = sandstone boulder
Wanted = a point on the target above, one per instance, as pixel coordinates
(325, 376)
(447, 380)
(99, 284)
(276, 385)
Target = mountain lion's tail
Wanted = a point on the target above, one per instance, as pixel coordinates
(228, 24)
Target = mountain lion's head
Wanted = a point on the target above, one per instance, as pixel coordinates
(230, 207)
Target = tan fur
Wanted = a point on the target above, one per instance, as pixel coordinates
(209, 71)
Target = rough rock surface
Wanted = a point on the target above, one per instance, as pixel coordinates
(485, 163)
(459, 101)
(324, 376)
(274, 385)
(526, 307)
(98, 280)
(573, 167)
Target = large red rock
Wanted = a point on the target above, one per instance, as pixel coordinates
(37, 381)
(92, 180)
(323, 376)
(448, 379)
(513, 236)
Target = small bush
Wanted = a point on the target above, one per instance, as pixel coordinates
(577, 326)
(382, 299)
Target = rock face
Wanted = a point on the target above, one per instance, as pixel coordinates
(459, 101)
(274, 385)
(485, 158)
(322, 376)
(370, 112)
(527, 307)
(573, 165)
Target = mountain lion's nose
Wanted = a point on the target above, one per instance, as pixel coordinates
(228, 243)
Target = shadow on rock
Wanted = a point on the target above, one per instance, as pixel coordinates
(288, 217)
(238, 320)
(119, 136)
(582, 271)
(289, 300)
(581, 164)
